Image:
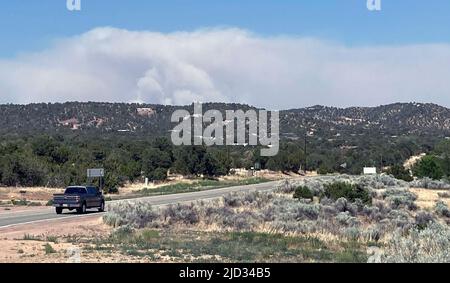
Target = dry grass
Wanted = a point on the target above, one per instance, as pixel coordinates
(427, 198)
(37, 194)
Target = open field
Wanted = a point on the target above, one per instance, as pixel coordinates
(397, 223)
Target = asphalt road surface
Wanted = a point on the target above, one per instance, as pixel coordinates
(11, 219)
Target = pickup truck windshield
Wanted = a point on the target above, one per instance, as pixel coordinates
(74, 191)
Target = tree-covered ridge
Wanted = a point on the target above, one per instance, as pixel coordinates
(54, 144)
(147, 119)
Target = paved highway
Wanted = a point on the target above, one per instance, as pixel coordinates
(11, 219)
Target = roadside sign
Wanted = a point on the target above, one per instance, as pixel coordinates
(370, 170)
(96, 173)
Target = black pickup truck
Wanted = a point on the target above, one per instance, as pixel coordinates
(80, 198)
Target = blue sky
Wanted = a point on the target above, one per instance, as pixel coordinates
(28, 25)
(270, 53)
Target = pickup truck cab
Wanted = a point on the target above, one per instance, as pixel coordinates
(79, 198)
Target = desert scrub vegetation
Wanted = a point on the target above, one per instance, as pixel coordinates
(317, 184)
(442, 209)
(136, 214)
(428, 183)
(351, 192)
(303, 192)
(48, 249)
(429, 245)
(199, 186)
(202, 246)
(348, 211)
(264, 212)
(444, 195)
(400, 198)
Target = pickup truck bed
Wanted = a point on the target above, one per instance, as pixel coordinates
(80, 199)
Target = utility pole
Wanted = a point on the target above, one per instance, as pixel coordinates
(381, 164)
(305, 150)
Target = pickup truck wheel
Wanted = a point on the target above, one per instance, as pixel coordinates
(59, 210)
(82, 210)
(102, 207)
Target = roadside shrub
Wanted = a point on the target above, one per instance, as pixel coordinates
(315, 185)
(442, 209)
(399, 172)
(444, 195)
(49, 249)
(307, 211)
(423, 219)
(374, 234)
(303, 193)
(123, 232)
(233, 200)
(138, 214)
(400, 219)
(400, 198)
(390, 181)
(352, 233)
(429, 166)
(324, 170)
(430, 245)
(348, 191)
(378, 211)
(286, 187)
(344, 218)
(378, 182)
(343, 205)
(427, 183)
(180, 213)
(112, 190)
(244, 221)
(257, 199)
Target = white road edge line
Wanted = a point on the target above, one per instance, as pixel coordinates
(116, 201)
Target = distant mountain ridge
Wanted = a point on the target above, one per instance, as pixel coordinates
(152, 120)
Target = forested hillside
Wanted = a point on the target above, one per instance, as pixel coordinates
(54, 144)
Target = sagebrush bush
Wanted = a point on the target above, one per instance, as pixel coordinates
(343, 205)
(136, 214)
(399, 219)
(351, 216)
(286, 187)
(180, 213)
(444, 195)
(442, 209)
(400, 172)
(400, 198)
(423, 219)
(346, 219)
(317, 184)
(429, 245)
(233, 200)
(307, 211)
(377, 182)
(428, 183)
(348, 191)
(303, 192)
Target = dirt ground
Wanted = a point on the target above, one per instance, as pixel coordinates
(39, 195)
(426, 199)
(26, 244)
